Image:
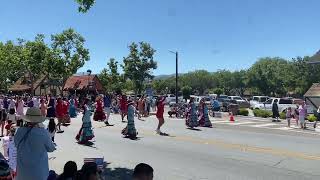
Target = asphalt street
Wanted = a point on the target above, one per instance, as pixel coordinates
(229, 151)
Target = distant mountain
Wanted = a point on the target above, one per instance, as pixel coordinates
(316, 57)
(162, 77)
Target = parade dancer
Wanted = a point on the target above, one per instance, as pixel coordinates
(51, 111)
(66, 116)
(72, 108)
(99, 114)
(204, 120)
(130, 131)
(43, 107)
(59, 114)
(107, 103)
(123, 107)
(160, 110)
(20, 105)
(85, 133)
(192, 120)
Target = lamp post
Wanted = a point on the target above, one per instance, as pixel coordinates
(176, 53)
(89, 74)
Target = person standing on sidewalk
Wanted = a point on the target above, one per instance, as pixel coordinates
(275, 111)
(302, 115)
(33, 144)
(288, 115)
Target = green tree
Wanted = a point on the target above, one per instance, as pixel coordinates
(68, 52)
(218, 91)
(85, 5)
(268, 76)
(186, 92)
(139, 64)
(111, 78)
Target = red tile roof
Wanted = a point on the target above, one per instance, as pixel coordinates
(82, 82)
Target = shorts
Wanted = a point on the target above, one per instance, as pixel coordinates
(301, 119)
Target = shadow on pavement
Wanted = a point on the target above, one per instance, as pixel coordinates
(195, 129)
(118, 173)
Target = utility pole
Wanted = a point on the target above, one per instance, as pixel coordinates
(176, 53)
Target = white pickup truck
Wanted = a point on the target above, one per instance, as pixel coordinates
(283, 104)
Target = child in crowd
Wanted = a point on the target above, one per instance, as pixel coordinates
(143, 172)
(288, 115)
(69, 171)
(12, 152)
(52, 128)
(11, 119)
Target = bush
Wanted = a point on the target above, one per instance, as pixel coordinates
(243, 112)
(311, 118)
(283, 115)
(262, 113)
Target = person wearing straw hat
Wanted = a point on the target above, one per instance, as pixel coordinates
(130, 131)
(33, 144)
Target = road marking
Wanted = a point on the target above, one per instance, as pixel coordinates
(242, 123)
(263, 125)
(284, 128)
(220, 122)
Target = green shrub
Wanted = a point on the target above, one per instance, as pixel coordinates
(282, 115)
(262, 113)
(311, 118)
(243, 112)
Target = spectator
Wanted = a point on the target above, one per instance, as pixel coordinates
(215, 105)
(69, 171)
(89, 171)
(275, 111)
(12, 153)
(33, 145)
(52, 128)
(143, 172)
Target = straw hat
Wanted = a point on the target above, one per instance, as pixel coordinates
(33, 115)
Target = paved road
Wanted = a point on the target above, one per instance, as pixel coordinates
(225, 152)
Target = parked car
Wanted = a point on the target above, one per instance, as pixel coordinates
(283, 104)
(242, 102)
(225, 102)
(258, 100)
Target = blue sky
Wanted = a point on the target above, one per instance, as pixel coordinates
(209, 34)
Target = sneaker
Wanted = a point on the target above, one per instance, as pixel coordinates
(158, 131)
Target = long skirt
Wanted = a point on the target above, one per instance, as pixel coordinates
(72, 112)
(130, 130)
(192, 121)
(205, 122)
(99, 116)
(51, 112)
(85, 133)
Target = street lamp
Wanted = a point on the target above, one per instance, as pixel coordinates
(176, 53)
(89, 73)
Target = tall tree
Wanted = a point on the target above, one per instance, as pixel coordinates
(111, 78)
(138, 65)
(85, 5)
(69, 53)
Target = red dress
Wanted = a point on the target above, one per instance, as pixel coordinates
(123, 105)
(66, 117)
(59, 111)
(160, 109)
(99, 114)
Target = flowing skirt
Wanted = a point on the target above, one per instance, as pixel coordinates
(130, 130)
(99, 116)
(51, 112)
(72, 112)
(205, 121)
(85, 133)
(192, 121)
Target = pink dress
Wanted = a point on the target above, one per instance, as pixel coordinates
(20, 105)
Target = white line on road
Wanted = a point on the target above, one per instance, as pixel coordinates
(243, 123)
(263, 125)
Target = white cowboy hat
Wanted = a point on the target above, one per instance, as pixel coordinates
(33, 115)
